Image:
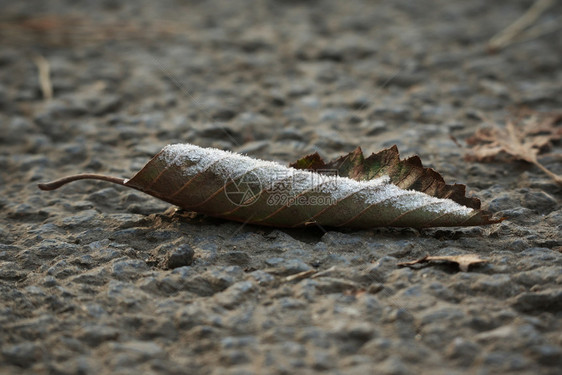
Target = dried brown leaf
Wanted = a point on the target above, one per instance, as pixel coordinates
(240, 188)
(464, 261)
(525, 139)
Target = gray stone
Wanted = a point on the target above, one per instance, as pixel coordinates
(197, 315)
(103, 196)
(285, 267)
(521, 214)
(377, 272)
(233, 357)
(334, 115)
(24, 354)
(287, 303)
(540, 201)
(81, 364)
(105, 104)
(549, 355)
(127, 268)
(231, 342)
(236, 294)
(94, 310)
(11, 271)
(220, 132)
(504, 361)
(63, 108)
(373, 128)
(440, 314)
(403, 321)
(544, 301)
(357, 331)
(49, 281)
(179, 257)
(62, 270)
(262, 278)
(296, 90)
(322, 360)
(509, 336)
(126, 294)
(84, 218)
(390, 113)
(132, 353)
(326, 285)
(94, 335)
(462, 351)
(503, 202)
(539, 276)
(497, 285)
(290, 134)
(394, 365)
(238, 258)
(214, 281)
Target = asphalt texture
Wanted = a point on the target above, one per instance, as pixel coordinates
(96, 278)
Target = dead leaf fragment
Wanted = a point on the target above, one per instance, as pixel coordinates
(407, 174)
(525, 139)
(464, 261)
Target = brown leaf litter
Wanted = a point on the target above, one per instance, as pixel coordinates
(524, 139)
(464, 261)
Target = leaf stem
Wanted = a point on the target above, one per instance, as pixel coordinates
(554, 176)
(86, 176)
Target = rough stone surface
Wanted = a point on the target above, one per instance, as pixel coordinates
(98, 279)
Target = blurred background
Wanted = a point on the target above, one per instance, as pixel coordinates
(271, 78)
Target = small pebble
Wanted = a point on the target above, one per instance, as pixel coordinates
(180, 257)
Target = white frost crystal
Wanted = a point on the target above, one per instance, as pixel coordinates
(227, 165)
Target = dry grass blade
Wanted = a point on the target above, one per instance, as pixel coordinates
(464, 261)
(324, 273)
(300, 275)
(524, 140)
(510, 34)
(44, 69)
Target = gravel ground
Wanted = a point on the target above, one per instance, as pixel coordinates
(96, 279)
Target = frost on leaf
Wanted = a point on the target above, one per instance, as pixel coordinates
(407, 174)
(377, 191)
